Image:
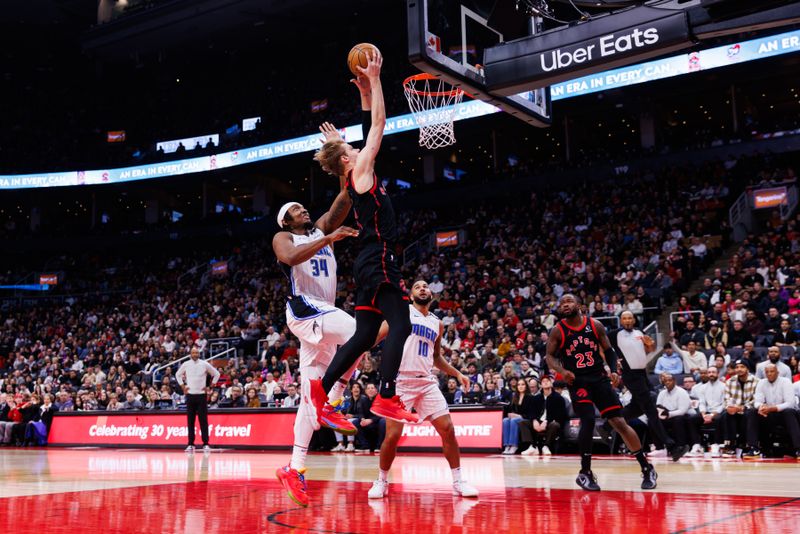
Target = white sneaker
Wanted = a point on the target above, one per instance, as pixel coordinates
(463, 489)
(379, 489)
(189, 449)
(546, 451)
(512, 450)
(206, 448)
(697, 451)
(362, 450)
(505, 451)
(715, 450)
(658, 453)
(350, 447)
(338, 448)
(529, 451)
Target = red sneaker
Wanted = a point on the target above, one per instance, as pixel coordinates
(335, 420)
(316, 400)
(393, 409)
(294, 483)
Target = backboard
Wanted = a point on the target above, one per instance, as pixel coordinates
(447, 38)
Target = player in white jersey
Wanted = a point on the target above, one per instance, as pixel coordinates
(305, 253)
(419, 389)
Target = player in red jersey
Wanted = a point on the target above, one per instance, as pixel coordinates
(578, 348)
(381, 292)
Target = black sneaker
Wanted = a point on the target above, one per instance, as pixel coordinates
(797, 454)
(678, 451)
(729, 452)
(587, 481)
(649, 476)
(751, 453)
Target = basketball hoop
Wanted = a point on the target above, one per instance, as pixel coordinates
(433, 104)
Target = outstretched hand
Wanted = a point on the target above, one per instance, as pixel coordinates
(329, 132)
(362, 82)
(341, 233)
(373, 69)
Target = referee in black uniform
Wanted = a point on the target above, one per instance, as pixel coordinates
(634, 347)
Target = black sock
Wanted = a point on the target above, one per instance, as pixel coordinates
(387, 389)
(640, 457)
(586, 462)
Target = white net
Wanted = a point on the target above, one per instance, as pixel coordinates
(433, 102)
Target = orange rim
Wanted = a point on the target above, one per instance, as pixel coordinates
(408, 85)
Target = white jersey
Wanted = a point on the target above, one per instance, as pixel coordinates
(418, 352)
(315, 277)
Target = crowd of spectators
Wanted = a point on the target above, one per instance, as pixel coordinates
(740, 330)
(627, 245)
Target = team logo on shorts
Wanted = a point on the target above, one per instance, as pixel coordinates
(582, 393)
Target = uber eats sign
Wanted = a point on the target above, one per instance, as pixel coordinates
(580, 50)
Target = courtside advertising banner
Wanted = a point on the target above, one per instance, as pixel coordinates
(160, 429)
(478, 429)
(268, 429)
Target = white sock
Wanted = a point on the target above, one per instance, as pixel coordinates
(337, 392)
(383, 476)
(298, 461)
(456, 474)
(302, 437)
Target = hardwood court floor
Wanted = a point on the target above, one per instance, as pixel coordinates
(106, 490)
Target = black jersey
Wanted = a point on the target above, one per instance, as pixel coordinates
(579, 351)
(374, 214)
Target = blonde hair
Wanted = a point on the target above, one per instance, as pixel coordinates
(330, 157)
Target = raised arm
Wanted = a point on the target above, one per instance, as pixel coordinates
(337, 213)
(288, 253)
(365, 165)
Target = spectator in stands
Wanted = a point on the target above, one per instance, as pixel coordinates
(753, 324)
(357, 411)
(292, 396)
(722, 352)
(492, 394)
(774, 403)
(669, 362)
(11, 417)
(740, 335)
(113, 403)
(64, 402)
(673, 404)
(793, 367)
(715, 336)
(689, 383)
(152, 399)
(453, 394)
(369, 373)
(785, 336)
(514, 415)
(546, 419)
(711, 405)
(252, 398)
(774, 358)
(692, 334)
(693, 359)
(237, 398)
(131, 403)
(739, 399)
(475, 396)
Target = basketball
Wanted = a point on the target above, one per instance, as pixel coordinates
(358, 56)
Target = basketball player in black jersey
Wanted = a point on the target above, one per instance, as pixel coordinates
(380, 290)
(578, 348)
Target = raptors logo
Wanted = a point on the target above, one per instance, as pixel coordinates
(582, 393)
